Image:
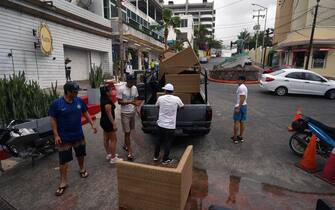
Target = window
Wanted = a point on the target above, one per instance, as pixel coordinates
(277, 72)
(319, 59)
(295, 75)
(313, 77)
(182, 36)
(183, 23)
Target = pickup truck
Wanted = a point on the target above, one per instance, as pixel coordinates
(193, 119)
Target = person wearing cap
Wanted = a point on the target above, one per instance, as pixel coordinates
(67, 69)
(65, 114)
(240, 110)
(127, 98)
(168, 106)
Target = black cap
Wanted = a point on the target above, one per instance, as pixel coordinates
(130, 78)
(71, 86)
(242, 78)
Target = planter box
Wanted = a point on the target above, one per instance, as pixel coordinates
(184, 83)
(93, 95)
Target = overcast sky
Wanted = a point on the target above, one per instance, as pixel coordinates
(232, 16)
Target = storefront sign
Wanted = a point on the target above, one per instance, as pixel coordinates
(45, 39)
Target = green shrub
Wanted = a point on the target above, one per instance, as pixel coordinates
(22, 99)
(96, 77)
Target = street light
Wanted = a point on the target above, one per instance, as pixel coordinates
(266, 16)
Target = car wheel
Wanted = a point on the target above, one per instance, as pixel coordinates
(281, 91)
(331, 94)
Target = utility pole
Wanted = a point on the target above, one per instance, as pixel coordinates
(264, 46)
(257, 29)
(264, 49)
(312, 34)
(120, 26)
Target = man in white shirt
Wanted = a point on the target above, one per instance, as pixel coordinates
(240, 110)
(168, 107)
(127, 98)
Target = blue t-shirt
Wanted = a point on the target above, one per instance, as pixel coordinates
(68, 117)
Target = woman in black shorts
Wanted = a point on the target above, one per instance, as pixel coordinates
(108, 124)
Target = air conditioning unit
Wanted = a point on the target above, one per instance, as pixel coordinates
(82, 3)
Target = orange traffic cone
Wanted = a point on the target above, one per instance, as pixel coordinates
(296, 117)
(328, 173)
(308, 162)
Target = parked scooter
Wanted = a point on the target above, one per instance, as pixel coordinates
(305, 128)
(27, 139)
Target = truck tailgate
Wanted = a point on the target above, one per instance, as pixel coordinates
(188, 115)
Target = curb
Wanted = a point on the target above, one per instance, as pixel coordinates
(232, 81)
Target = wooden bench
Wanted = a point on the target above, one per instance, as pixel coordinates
(146, 187)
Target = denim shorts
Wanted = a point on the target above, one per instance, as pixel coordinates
(242, 114)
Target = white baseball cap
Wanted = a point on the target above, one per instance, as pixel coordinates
(168, 87)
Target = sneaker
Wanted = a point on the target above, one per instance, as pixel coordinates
(236, 141)
(114, 160)
(168, 161)
(108, 156)
(156, 158)
(130, 157)
(240, 138)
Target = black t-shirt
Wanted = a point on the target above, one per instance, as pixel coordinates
(104, 117)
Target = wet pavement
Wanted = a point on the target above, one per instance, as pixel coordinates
(258, 174)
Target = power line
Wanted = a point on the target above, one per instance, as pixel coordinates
(296, 18)
(224, 6)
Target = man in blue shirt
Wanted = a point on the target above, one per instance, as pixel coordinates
(65, 114)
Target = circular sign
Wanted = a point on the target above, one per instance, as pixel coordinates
(257, 27)
(45, 39)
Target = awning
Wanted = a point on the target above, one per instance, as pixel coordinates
(326, 49)
(299, 50)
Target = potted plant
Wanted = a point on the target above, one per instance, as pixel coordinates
(96, 78)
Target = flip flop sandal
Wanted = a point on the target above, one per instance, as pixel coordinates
(83, 174)
(60, 191)
(125, 148)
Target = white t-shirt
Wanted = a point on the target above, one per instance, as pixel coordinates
(168, 107)
(129, 69)
(127, 94)
(242, 90)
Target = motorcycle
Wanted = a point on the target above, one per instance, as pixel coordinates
(304, 129)
(25, 139)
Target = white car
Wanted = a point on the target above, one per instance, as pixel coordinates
(298, 81)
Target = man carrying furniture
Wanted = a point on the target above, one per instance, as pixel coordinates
(168, 107)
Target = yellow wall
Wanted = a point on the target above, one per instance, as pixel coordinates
(329, 71)
(283, 19)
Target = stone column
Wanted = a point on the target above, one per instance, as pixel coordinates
(139, 57)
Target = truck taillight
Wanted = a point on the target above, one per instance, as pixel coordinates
(209, 113)
(269, 79)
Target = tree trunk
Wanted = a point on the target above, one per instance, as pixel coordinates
(120, 26)
(166, 33)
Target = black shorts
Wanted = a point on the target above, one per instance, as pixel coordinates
(106, 126)
(65, 151)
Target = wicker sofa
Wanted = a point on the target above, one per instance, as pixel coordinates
(146, 187)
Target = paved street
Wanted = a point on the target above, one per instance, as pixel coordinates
(260, 173)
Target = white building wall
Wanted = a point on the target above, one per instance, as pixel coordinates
(17, 34)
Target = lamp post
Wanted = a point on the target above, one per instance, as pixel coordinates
(266, 16)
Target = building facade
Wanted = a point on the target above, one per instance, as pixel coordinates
(203, 13)
(140, 40)
(186, 31)
(70, 31)
(292, 35)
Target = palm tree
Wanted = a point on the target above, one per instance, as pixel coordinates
(167, 22)
(200, 34)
